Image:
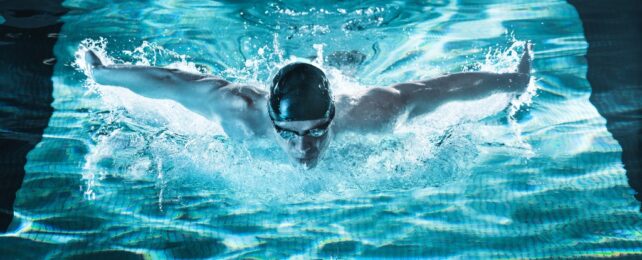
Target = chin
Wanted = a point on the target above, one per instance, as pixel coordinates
(307, 163)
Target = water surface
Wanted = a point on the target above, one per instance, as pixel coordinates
(118, 174)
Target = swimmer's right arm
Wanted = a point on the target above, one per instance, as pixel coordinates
(189, 89)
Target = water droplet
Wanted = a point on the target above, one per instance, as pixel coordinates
(49, 61)
(56, 35)
(13, 35)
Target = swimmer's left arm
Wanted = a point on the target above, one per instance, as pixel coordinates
(425, 96)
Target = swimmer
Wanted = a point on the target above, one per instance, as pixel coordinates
(299, 110)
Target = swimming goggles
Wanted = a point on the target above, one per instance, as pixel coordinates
(314, 132)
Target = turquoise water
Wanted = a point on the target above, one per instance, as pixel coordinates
(120, 175)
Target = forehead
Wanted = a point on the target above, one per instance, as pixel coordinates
(301, 125)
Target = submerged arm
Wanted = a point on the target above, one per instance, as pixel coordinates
(189, 89)
(425, 96)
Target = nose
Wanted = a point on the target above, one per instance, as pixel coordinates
(300, 144)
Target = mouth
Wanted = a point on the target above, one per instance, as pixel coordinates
(305, 157)
(307, 163)
(303, 160)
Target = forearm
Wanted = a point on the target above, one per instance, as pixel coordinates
(467, 85)
(484, 83)
(425, 96)
(147, 81)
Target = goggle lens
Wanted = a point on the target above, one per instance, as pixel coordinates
(316, 132)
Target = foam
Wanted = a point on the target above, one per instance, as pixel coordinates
(160, 141)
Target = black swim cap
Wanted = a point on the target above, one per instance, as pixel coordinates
(300, 91)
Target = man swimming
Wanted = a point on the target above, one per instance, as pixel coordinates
(299, 108)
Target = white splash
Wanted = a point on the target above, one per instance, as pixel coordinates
(181, 152)
(503, 61)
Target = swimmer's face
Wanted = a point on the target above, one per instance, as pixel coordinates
(304, 141)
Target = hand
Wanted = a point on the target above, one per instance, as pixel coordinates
(92, 60)
(525, 64)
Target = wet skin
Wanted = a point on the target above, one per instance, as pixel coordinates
(304, 149)
(242, 109)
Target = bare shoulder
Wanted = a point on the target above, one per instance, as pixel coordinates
(206, 85)
(205, 81)
(372, 109)
(243, 90)
(371, 96)
(234, 98)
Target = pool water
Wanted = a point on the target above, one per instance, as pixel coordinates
(117, 175)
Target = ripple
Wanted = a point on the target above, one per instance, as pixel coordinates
(122, 176)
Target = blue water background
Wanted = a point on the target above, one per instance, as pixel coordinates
(118, 174)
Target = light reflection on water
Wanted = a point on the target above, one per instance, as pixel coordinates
(484, 178)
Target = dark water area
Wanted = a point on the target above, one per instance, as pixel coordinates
(613, 30)
(28, 32)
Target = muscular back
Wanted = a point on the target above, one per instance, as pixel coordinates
(371, 110)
